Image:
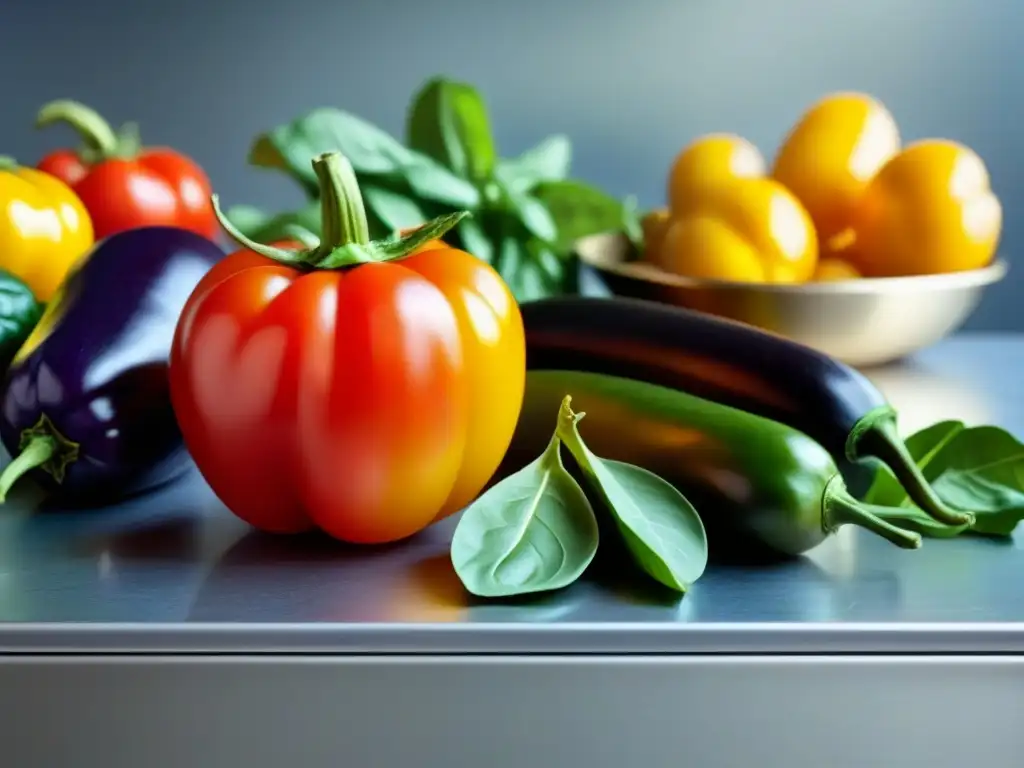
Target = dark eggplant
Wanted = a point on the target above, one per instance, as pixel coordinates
(733, 364)
(86, 406)
(761, 488)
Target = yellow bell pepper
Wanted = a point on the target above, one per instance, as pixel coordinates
(727, 220)
(830, 156)
(929, 210)
(44, 227)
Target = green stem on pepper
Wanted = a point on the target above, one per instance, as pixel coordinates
(839, 507)
(346, 239)
(101, 141)
(42, 447)
(7, 163)
(876, 436)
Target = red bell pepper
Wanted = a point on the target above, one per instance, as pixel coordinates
(363, 388)
(122, 184)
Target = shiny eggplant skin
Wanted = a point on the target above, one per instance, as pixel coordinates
(711, 357)
(733, 364)
(762, 489)
(93, 374)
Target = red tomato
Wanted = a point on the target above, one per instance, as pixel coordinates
(367, 402)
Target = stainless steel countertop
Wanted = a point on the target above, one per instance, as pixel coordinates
(175, 572)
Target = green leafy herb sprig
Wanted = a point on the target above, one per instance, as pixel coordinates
(537, 531)
(978, 469)
(526, 211)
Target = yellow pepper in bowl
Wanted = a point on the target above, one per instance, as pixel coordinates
(728, 221)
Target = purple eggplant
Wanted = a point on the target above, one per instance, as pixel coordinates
(86, 406)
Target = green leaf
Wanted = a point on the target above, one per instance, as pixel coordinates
(979, 469)
(531, 270)
(374, 154)
(579, 209)
(532, 213)
(247, 218)
(395, 210)
(532, 532)
(302, 225)
(434, 182)
(548, 161)
(292, 147)
(448, 122)
(474, 240)
(660, 527)
(19, 314)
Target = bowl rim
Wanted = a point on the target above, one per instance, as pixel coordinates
(594, 254)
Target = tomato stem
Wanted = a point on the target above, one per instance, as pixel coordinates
(346, 236)
(100, 140)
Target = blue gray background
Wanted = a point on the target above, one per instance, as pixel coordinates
(631, 83)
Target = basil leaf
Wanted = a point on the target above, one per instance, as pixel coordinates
(292, 147)
(474, 240)
(534, 531)
(302, 225)
(532, 213)
(548, 161)
(394, 210)
(434, 182)
(579, 209)
(374, 154)
(531, 273)
(660, 527)
(20, 311)
(980, 469)
(448, 121)
(247, 218)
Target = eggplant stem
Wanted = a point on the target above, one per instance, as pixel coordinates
(876, 436)
(39, 450)
(839, 507)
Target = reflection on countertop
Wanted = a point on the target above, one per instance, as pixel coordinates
(179, 556)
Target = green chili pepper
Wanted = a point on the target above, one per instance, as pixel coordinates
(757, 485)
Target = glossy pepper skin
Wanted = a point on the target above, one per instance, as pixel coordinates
(86, 409)
(728, 221)
(929, 210)
(362, 389)
(123, 184)
(830, 157)
(761, 488)
(44, 227)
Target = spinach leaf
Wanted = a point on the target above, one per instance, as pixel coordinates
(534, 531)
(980, 469)
(548, 161)
(448, 122)
(579, 209)
(374, 154)
(660, 527)
(20, 311)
